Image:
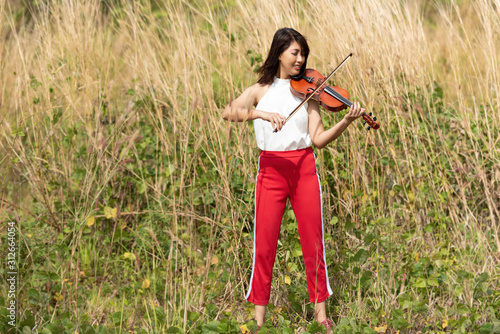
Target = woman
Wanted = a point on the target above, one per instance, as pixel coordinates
(287, 169)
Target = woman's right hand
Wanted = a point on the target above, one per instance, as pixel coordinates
(277, 120)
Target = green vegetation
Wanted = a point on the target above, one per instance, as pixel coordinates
(133, 199)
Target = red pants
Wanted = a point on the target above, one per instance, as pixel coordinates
(282, 175)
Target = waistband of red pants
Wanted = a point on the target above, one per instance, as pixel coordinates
(286, 154)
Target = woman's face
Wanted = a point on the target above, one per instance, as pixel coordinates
(290, 61)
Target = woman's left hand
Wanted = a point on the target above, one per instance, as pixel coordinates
(354, 112)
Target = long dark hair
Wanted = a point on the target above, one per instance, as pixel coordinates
(282, 39)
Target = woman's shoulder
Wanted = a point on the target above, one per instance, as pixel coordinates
(258, 91)
(253, 94)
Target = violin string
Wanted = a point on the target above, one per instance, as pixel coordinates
(338, 96)
(345, 101)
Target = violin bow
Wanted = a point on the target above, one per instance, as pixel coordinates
(316, 90)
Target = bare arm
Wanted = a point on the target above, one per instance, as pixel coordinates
(241, 109)
(321, 137)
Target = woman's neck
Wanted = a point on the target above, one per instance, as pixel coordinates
(279, 76)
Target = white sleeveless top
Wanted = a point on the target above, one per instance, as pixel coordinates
(294, 135)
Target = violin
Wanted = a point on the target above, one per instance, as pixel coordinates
(311, 84)
(331, 98)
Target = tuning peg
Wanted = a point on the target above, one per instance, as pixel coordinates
(368, 128)
(370, 114)
(374, 118)
(364, 122)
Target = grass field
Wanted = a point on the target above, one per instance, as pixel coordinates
(132, 200)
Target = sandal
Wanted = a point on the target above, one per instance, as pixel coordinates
(255, 330)
(328, 325)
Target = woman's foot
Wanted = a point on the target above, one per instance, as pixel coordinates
(255, 330)
(328, 325)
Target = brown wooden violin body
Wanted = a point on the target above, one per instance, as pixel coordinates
(331, 98)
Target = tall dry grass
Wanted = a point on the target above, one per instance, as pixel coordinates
(65, 63)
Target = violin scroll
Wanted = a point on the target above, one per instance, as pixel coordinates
(372, 122)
